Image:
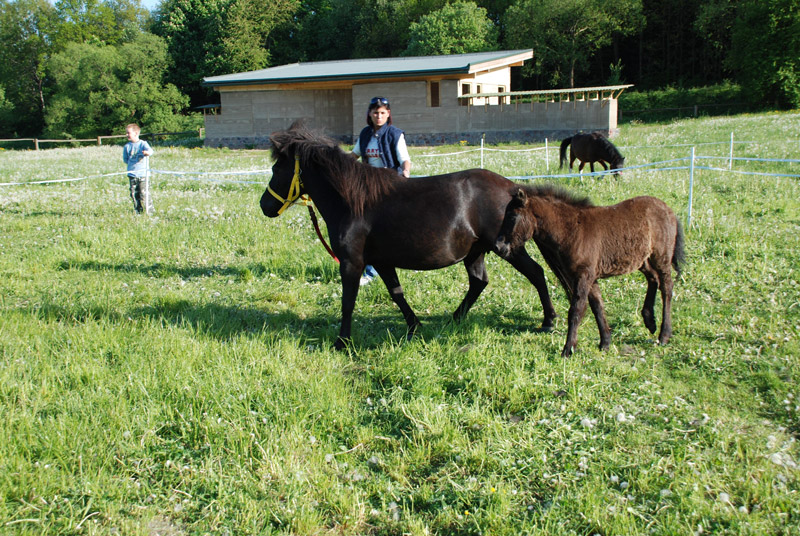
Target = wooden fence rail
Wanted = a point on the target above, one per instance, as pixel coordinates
(99, 139)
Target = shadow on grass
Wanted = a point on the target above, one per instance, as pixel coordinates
(369, 331)
(163, 270)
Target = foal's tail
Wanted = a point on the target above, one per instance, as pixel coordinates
(679, 253)
(564, 145)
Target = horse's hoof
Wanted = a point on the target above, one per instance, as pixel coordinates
(341, 344)
(566, 352)
(649, 322)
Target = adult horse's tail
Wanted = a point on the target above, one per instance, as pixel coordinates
(679, 253)
(564, 145)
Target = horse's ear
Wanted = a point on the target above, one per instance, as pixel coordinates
(519, 198)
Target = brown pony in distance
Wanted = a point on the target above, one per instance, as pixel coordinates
(375, 216)
(591, 148)
(583, 243)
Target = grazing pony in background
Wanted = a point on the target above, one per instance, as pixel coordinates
(591, 148)
(583, 243)
(375, 216)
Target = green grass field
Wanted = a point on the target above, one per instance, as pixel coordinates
(174, 375)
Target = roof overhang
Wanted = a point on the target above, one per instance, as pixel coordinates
(362, 70)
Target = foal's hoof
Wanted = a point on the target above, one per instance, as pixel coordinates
(649, 321)
(567, 351)
(341, 343)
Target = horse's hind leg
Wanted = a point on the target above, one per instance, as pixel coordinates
(525, 265)
(392, 282)
(648, 314)
(596, 303)
(478, 279)
(666, 298)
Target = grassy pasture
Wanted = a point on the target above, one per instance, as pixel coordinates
(173, 375)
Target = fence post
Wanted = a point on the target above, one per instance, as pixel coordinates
(483, 137)
(546, 156)
(691, 190)
(36, 143)
(99, 143)
(730, 158)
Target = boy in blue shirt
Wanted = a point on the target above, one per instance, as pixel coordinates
(135, 154)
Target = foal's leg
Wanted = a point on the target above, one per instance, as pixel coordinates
(666, 298)
(577, 308)
(648, 314)
(596, 303)
(392, 282)
(478, 279)
(528, 267)
(350, 273)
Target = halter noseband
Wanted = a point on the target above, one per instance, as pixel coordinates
(294, 188)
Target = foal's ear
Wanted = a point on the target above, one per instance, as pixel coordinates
(519, 198)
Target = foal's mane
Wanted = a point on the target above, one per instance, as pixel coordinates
(360, 185)
(556, 193)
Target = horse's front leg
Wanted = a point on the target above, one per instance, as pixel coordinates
(577, 309)
(596, 303)
(478, 279)
(350, 273)
(389, 276)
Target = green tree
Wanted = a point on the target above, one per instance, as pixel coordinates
(25, 29)
(456, 28)
(320, 30)
(765, 51)
(385, 25)
(214, 37)
(565, 34)
(100, 88)
(97, 21)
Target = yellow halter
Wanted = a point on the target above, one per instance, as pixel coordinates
(294, 188)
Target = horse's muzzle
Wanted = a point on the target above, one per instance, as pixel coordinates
(502, 247)
(269, 206)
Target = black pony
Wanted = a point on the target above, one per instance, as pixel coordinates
(375, 216)
(591, 148)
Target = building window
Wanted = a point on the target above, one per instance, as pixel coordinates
(434, 94)
(466, 89)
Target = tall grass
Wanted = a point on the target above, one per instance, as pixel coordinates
(174, 375)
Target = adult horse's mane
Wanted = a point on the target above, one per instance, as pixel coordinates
(558, 193)
(612, 150)
(359, 184)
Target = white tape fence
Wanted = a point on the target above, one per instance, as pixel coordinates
(689, 163)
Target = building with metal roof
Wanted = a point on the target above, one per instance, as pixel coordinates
(434, 99)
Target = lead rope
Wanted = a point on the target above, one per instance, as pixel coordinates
(316, 228)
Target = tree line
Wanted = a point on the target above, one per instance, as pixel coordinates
(79, 68)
